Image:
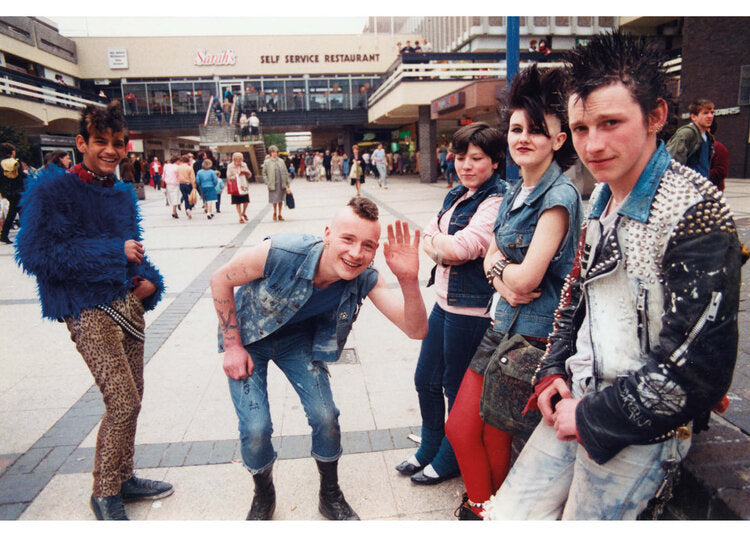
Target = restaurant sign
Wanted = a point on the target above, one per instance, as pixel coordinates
(225, 57)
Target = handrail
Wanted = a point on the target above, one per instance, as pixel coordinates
(443, 72)
(53, 85)
(45, 94)
(208, 111)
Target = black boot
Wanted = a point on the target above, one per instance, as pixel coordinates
(264, 499)
(109, 508)
(140, 489)
(332, 503)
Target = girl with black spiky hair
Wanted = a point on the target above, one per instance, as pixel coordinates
(536, 232)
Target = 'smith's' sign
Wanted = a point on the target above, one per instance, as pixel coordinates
(225, 57)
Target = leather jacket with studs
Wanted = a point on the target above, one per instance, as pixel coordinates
(662, 293)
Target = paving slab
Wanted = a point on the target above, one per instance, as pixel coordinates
(187, 434)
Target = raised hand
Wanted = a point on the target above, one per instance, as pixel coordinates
(401, 253)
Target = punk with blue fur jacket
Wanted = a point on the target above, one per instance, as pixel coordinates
(72, 238)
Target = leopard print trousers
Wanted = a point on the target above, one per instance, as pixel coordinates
(115, 359)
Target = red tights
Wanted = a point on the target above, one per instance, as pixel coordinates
(483, 452)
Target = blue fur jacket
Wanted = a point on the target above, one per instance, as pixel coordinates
(72, 238)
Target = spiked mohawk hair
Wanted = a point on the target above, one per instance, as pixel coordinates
(98, 119)
(364, 208)
(618, 57)
(538, 94)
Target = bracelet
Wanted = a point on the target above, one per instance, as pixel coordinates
(497, 271)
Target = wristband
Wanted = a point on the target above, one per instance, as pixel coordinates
(497, 271)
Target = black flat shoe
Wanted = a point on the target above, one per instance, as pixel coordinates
(408, 469)
(423, 480)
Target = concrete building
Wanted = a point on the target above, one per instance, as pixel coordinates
(342, 89)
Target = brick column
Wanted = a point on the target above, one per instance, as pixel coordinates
(427, 128)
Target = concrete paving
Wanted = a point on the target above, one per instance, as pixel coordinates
(187, 433)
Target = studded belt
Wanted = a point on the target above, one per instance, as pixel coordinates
(126, 325)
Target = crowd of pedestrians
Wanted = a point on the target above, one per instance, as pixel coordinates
(628, 312)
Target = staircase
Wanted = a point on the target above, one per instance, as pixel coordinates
(227, 138)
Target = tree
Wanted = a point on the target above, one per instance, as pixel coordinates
(11, 135)
(277, 139)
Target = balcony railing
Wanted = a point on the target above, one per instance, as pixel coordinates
(452, 66)
(45, 91)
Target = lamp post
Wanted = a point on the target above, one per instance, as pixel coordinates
(512, 58)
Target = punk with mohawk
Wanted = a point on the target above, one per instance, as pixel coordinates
(644, 340)
(537, 94)
(533, 245)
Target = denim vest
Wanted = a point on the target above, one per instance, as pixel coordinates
(514, 230)
(700, 159)
(266, 304)
(467, 284)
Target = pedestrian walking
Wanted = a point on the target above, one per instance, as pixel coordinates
(276, 177)
(357, 170)
(172, 185)
(208, 182)
(238, 175)
(155, 170)
(378, 159)
(186, 179)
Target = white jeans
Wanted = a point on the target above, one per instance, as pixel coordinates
(381, 174)
(555, 479)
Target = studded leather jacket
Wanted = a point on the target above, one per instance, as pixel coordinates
(662, 295)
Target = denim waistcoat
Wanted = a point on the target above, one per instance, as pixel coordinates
(637, 205)
(266, 304)
(513, 232)
(467, 284)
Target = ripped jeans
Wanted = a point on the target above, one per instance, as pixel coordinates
(554, 479)
(291, 350)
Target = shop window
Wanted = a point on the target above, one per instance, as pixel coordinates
(159, 101)
(319, 94)
(136, 100)
(296, 95)
(183, 98)
(204, 93)
(340, 94)
(274, 98)
(251, 97)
